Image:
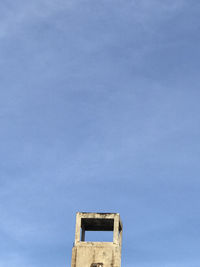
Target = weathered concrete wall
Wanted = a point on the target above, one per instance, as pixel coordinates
(84, 255)
(97, 254)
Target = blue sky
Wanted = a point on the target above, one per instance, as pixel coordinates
(99, 111)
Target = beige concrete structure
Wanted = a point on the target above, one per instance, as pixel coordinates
(97, 254)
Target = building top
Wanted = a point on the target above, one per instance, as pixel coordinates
(91, 221)
(95, 221)
(90, 253)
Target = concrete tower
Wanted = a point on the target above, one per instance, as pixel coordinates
(97, 254)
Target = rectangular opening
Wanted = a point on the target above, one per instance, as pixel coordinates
(93, 224)
(97, 230)
(98, 236)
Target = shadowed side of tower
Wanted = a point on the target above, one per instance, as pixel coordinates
(97, 254)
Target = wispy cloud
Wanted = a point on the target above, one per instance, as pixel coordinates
(99, 98)
(16, 16)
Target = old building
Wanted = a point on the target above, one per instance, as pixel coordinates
(97, 254)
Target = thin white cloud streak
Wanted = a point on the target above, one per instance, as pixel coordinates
(17, 17)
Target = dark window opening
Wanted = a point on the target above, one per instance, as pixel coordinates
(97, 230)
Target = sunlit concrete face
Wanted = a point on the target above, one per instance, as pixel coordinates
(97, 254)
